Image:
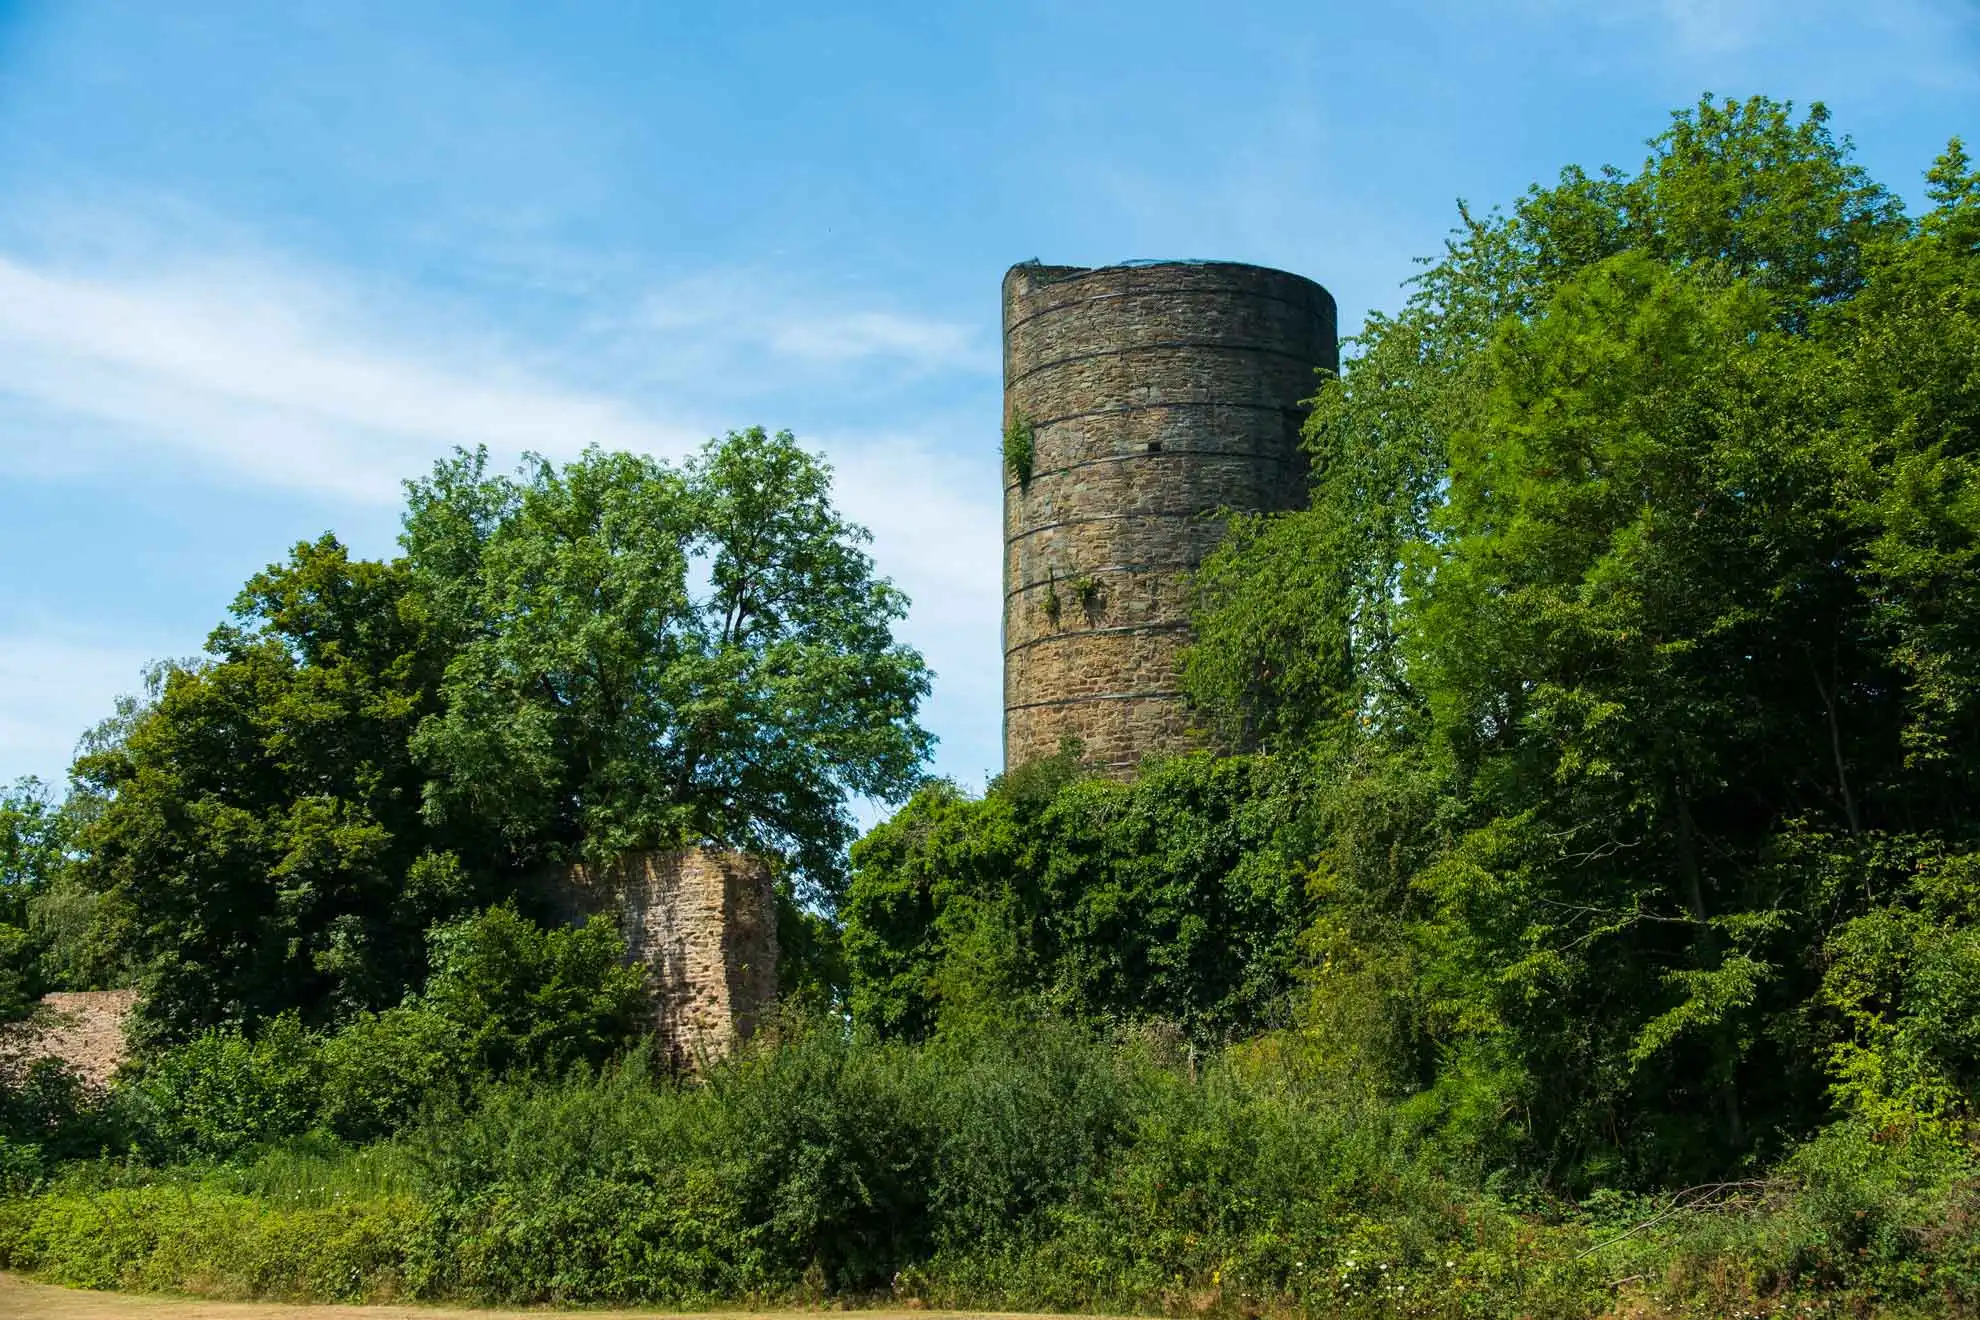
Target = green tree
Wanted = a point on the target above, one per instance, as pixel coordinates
(256, 837)
(1167, 900)
(34, 845)
(1626, 639)
(35, 838)
(1645, 652)
(1904, 976)
(650, 657)
(1298, 616)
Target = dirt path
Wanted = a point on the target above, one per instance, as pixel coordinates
(21, 1300)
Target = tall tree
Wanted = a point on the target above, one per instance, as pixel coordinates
(257, 841)
(649, 657)
(1628, 631)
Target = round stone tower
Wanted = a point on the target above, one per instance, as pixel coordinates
(1140, 401)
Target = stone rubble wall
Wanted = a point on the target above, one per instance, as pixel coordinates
(702, 920)
(1158, 396)
(82, 1028)
(704, 923)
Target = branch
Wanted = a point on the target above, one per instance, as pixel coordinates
(1699, 1195)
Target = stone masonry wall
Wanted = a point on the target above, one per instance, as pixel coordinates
(704, 922)
(82, 1028)
(1158, 396)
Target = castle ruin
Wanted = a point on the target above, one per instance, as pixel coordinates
(703, 922)
(1142, 403)
(1152, 399)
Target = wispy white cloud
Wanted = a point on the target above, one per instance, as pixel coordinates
(264, 376)
(245, 372)
(936, 521)
(937, 531)
(738, 314)
(273, 374)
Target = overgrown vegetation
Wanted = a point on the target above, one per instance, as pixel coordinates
(609, 655)
(1167, 900)
(1580, 916)
(1018, 1165)
(1020, 448)
(1088, 592)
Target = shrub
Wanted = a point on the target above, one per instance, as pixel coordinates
(48, 1108)
(223, 1094)
(1020, 447)
(1014, 1167)
(195, 1238)
(526, 998)
(382, 1069)
(506, 997)
(20, 1166)
(21, 982)
(803, 1158)
(1023, 1121)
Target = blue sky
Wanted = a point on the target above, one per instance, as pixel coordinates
(260, 262)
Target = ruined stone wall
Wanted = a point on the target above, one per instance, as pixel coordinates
(85, 1029)
(704, 922)
(1156, 395)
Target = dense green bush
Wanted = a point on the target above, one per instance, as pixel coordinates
(220, 1243)
(1167, 899)
(381, 1070)
(223, 1094)
(811, 1159)
(1031, 1167)
(1025, 1166)
(529, 998)
(506, 998)
(48, 1114)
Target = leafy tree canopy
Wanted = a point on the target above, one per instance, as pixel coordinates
(608, 655)
(1629, 641)
(259, 846)
(647, 657)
